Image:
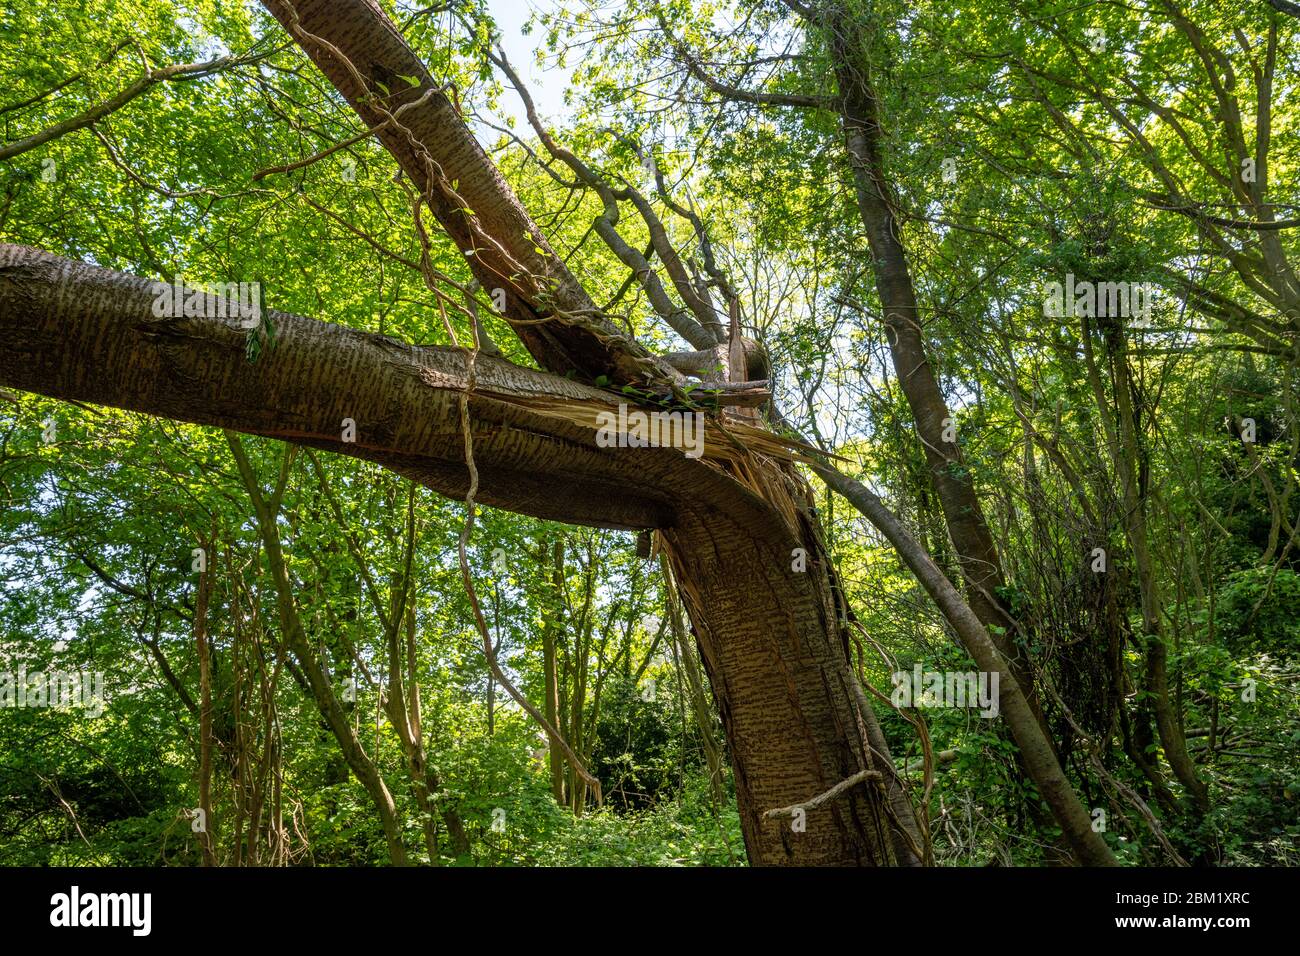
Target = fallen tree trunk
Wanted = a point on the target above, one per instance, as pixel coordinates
(770, 635)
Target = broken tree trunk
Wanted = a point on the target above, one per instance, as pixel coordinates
(771, 640)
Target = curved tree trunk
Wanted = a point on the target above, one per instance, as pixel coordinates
(981, 567)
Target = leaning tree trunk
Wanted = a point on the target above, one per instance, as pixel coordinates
(949, 476)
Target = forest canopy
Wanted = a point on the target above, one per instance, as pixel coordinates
(658, 433)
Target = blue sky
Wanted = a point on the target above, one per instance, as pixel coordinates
(546, 86)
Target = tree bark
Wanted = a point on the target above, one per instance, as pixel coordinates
(358, 48)
(552, 566)
(208, 835)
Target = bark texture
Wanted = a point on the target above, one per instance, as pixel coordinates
(363, 55)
